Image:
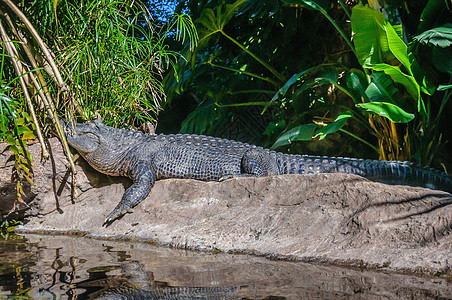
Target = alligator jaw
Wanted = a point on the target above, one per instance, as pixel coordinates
(68, 127)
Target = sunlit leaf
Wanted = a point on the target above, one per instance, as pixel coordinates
(334, 126)
(376, 40)
(388, 110)
(212, 22)
(371, 43)
(438, 36)
(398, 76)
(300, 133)
(28, 135)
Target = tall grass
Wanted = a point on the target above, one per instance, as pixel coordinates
(113, 58)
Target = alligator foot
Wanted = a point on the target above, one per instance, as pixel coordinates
(118, 212)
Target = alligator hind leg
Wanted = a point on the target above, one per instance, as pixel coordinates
(255, 163)
(258, 163)
(143, 181)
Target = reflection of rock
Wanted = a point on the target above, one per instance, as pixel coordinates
(334, 218)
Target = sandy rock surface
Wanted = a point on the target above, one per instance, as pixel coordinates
(333, 218)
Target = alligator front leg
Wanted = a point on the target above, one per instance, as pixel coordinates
(143, 181)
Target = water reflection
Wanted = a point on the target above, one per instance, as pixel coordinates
(46, 267)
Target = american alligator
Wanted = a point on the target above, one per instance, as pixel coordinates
(146, 158)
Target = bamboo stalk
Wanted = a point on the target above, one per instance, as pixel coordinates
(7, 42)
(40, 42)
(44, 94)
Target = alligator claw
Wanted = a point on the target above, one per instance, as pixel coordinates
(115, 214)
(226, 177)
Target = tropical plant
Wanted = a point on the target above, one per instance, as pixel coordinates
(390, 85)
(370, 85)
(231, 69)
(16, 129)
(96, 58)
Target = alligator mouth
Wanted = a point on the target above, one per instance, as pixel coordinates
(68, 127)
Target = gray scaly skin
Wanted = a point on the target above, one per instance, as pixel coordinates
(147, 158)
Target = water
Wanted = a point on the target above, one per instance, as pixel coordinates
(57, 267)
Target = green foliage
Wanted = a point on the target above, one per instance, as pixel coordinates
(211, 23)
(388, 65)
(388, 110)
(16, 129)
(7, 229)
(112, 55)
(377, 45)
(367, 85)
(439, 36)
(113, 59)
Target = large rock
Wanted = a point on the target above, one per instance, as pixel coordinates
(333, 218)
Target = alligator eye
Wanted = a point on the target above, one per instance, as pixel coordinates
(91, 135)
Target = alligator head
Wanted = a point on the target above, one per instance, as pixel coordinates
(86, 137)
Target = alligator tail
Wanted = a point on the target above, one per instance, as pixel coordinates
(391, 172)
(403, 172)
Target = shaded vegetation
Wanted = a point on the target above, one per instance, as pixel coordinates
(380, 92)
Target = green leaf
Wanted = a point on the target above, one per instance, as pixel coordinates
(22, 129)
(399, 30)
(20, 121)
(299, 133)
(283, 90)
(212, 22)
(398, 76)
(397, 46)
(28, 135)
(376, 40)
(334, 126)
(444, 87)
(442, 59)
(371, 43)
(430, 14)
(4, 122)
(438, 36)
(381, 88)
(388, 110)
(14, 149)
(11, 140)
(426, 85)
(357, 83)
